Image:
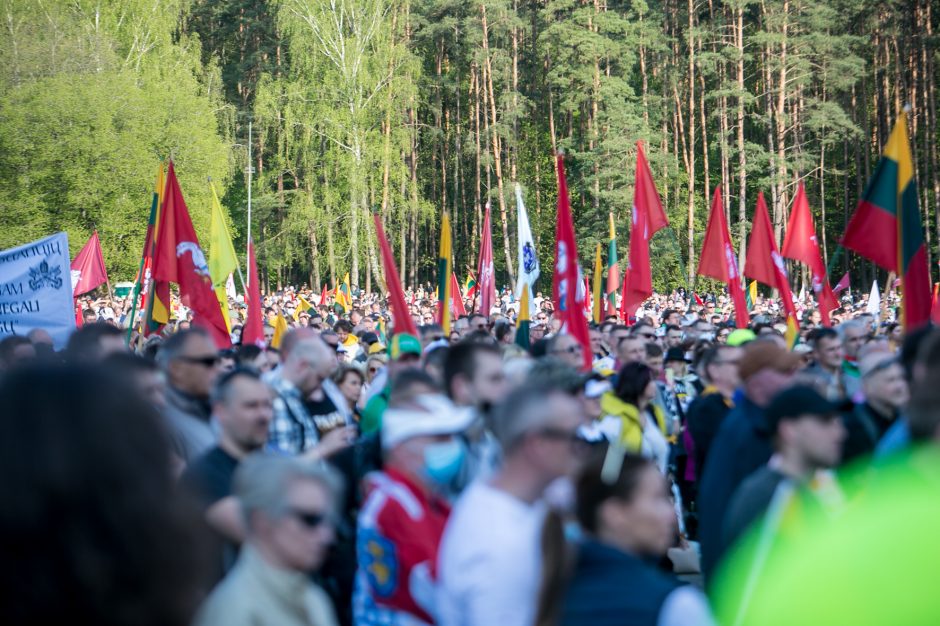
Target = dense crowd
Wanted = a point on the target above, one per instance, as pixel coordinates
(346, 474)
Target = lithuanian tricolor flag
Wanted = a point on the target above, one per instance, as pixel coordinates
(469, 286)
(344, 294)
(444, 269)
(613, 270)
(889, 205)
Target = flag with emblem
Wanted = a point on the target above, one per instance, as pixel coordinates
(485, 268)
(718, 261)
(648, 219)
(88, 271)
(801, 244)
(528, 259)
(178, 258)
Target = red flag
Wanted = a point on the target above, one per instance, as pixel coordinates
(764, 263)
(842, 285)
(801, 245)
(253, 332)
(717, 259)
(400, 313)
(178, 258)
(485, 270)
(935, 306)
(569, 303)
(323, 293)
(456, 300)
(648, 218)
(88, 270)
(80, 313)
(697, 299)
(624, 314)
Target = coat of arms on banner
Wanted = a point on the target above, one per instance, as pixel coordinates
(42, 276)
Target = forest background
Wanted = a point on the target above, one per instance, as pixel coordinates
(413, 107)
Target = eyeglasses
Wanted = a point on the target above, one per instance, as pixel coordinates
(205, 361)
(310, 519)
(574, 349)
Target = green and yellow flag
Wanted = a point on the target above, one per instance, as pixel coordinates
(158, 296)
(596, 288)
(522, 321)
(444, 269)
(222, 259)
(343, 294)
(751, 295)
(613, 270)
(302, 307)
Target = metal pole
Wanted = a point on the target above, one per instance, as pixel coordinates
(250, 170)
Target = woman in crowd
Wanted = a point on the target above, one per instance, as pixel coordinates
(627, 521)
(631, 420)
(350, 380)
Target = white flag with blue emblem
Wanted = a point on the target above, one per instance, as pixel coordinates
(528, 260)
(36, 289)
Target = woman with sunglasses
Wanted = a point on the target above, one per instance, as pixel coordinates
(627, 521)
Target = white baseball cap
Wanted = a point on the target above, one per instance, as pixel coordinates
(431, 415)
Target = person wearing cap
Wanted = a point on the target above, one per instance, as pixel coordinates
(404, 351)
(886, 395)
(489, 561)
(807, 435)
(743, 443)
(403, 517)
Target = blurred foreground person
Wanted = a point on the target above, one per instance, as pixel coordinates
(289, 508)
(490, 558)
(91, 529)
(629, 522)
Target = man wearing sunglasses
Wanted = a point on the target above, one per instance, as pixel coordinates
(190, 361)
(288, 507)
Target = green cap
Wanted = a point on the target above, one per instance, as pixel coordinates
(741, 336)
(403, 343)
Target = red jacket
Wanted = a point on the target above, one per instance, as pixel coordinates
(400, 529)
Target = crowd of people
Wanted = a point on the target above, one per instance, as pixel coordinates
(348, 474)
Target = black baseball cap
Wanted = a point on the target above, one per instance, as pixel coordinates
(675, 354)
(799, 400)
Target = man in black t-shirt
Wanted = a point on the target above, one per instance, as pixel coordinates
(242, 405)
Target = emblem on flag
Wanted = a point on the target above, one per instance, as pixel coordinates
(44, 276)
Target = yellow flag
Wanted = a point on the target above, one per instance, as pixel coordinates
(444, 269)
(752, 291)
(222, 259)
(280, 329)
(302, 307)
(598, 274)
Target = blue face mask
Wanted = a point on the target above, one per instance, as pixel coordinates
(442, 461)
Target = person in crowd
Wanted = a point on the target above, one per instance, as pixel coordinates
(404, 352)
(853, 333)
(886, 395)
(719, 369)
(190, 362)
(744, 441)
(631, 420)
(91, 343)
(654, 359)
(489, 564)
(631, 350)
(307, 363)
(828, 357)
(94, 530)
(242, 406)
(143, 373)
(350, 380)
(402, 519)
(673, 337)
(288, 507)
(15, 350)
(253, 357)
(807, 434)
(628, 521)
(566, 348)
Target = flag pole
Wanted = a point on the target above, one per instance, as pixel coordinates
(249, 170)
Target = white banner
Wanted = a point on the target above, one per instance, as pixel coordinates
(36, 290)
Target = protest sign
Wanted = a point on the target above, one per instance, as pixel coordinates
(36, 290)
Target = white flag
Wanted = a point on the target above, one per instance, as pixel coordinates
(874, 301)
(230, 287)
(528, 260)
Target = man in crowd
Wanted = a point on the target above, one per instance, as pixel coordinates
(807, 435)
(743, 443)
(886, 394)
(630, 350)
(566, 348)
(404, 351)
(853, 334)
(403, 517)
(288, 508)
(827, 369)
(307, 364)
(719, 369)
(673, 336)
(241, 404)
(190, 362)
(489, 561)
(91, 343)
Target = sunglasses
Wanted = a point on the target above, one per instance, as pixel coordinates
(205, 361)
(570, 349)
(310, 519)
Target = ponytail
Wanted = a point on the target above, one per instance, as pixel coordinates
(558, 557)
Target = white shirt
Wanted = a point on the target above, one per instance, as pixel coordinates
(489, 563)
(654, 446)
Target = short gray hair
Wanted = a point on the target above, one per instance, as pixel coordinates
(850, 325)
(525, 410)
(174, 347)
(261, 482)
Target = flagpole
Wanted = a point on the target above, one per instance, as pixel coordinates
(250, 170)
